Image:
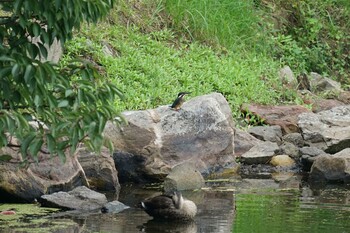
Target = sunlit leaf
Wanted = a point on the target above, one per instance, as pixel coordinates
(63, 103)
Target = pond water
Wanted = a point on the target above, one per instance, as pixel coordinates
(226, 205)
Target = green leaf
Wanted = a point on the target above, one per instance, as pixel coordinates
(34, 148)
(51, 143)
(63, 103)
(69, 92)
(15, 70)
(26, 142)
(62, 156)
(5, 158)
(38, 100)
(10, 124)
(43, 50)
(28, 73)
(36, 29)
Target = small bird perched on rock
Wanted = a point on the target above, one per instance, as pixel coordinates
(179, 100)
(170, 207)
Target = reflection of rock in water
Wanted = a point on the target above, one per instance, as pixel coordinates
(216, 212)
(154, 226)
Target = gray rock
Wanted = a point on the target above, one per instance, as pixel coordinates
(308, 156)
(99, 169)
(290, 149)
(287, 77)
(202, 131)
(294, 138)
(331, 167)
(47, 176)
(261, 153)
(80, 198)
(244, 142)
(320, 83)
(267, 133)
(184, 176)
(327, 130)
(114, 207)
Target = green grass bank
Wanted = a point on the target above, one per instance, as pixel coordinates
(154, 49)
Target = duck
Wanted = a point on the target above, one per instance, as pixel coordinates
(170, 207)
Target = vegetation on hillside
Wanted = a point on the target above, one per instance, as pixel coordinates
(159, 48)
(152, 61)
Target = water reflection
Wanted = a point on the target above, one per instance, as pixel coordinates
(167, 227)
(215, 214)
(281, 204)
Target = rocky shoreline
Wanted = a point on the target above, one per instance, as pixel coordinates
(183, 148)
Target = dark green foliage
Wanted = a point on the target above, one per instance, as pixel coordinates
(44, 107)
(314, 36)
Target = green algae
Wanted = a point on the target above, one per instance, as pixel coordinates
(31, 218)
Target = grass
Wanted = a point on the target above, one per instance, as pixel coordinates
(151, 61)
(231, 23)
(151, 73)
(159, 48)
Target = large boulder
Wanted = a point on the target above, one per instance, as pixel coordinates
(155, 140)
(99, 169)
(332, 167)
(327, 130)
(47, 176)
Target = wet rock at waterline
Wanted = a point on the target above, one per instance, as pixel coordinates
(261, 153)
(308, 156)
(332, 167)
(80, 198)
(99, 169)
(327, 130)
(184, 176)
(114, 207)
(202, 131)
(49, 175)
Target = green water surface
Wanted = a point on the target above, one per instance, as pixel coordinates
(293, 211)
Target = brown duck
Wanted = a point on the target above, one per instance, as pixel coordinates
(170, 207)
